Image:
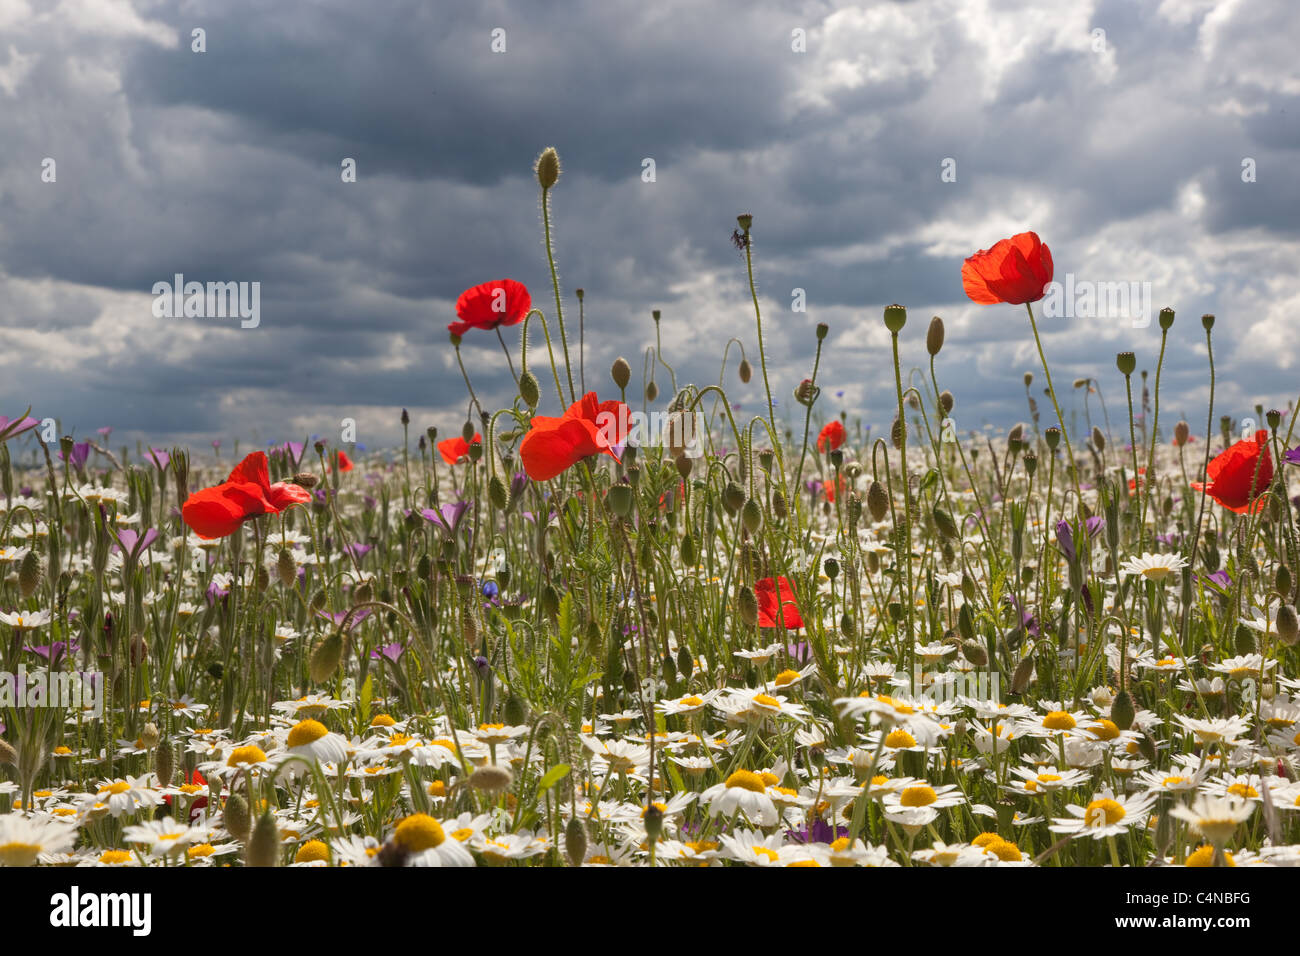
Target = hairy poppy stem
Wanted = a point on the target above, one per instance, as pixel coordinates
(758, 321)
(555, 284)
(1200, 515)
(1051, 391)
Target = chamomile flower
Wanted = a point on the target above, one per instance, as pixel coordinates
(1154, 567)
(1107, 814)
(742, 792)
(1215, 818)
(426, 843)
(165, 837)
(25, 838)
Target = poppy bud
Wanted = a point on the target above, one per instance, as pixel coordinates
(529, 391)
(1098, 439)
(1288, 629)
(685, 663)
(746, 371)
(498, 494)
(651, 391)
(947, 527)
(575, 841)
(877, 501)
(946, 401)
(1126, 362)
(1207, 322)
(806, 393)
(7, 754)
(432, 432)
(895, 318)
(747, 605)
(1182, 431)
(548, 168)
(491, 778)
(621, 372)
(733, 497)
(1282, 579)
(406, 418)
(1016, 434)
(1166, 319)
(29, 575)
(934, 336)
(751, 516)
(1245, 639)
(1024, 673)
(822, 329)
(1029, 379)
(236, 818)
(325, 659)
(778, 506)
(1122, 711)
(264, 844)
(896, 432)
(286, 568)
(164, 762)
(966, 623)
(975, 652)
(688, 550)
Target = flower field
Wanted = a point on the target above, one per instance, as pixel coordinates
(623, 623)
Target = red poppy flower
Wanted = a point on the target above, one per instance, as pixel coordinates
(217, 511)
(492, 304)
(345, 463)
(1015, 270)
(453, 450)
(766, 592)
(831, 437)
(1233, 482)
(588, 427)
(830, 489)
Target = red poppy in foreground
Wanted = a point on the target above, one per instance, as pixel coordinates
(766, 592)
(490, 305)
(217, 511)
(454, 450)
(588, 427)
(831, 437)
(1233, 482)
(1015, 270)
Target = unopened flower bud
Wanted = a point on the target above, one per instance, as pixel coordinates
(236, 818)
(877, 501)
(747, 605)
(548, 168)
(264, 844)
(325, 659)
(1287, 627)
(746, 371)
(934, 336)
(1122, 711)
(575, 841)
(529, 390)
(491, 778)
(621, 372)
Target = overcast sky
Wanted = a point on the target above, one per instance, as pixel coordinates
(1125, 133)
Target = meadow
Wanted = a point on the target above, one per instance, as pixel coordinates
(649, 630)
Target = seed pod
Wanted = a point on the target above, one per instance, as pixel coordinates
(236, 817)
(1121, 710)
(620, 372)
(1126, 362)
(325, 659)
(877, 501)
(29, 574)
(264, 844)
(746, 371)
(575, 841)
(934, 336)
(1288, 629)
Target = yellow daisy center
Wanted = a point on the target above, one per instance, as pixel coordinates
(115, 856)
(1204, 856)
(786, 677)
(418, 832)
(382, 720)
(1243, 790)
(202, 850)
(121, 786)
(767, 701)
(898, 739)
(18, 854)
(746, 780)
(1004, 850)
(918, 796)
(1058, 720)
(306, 732)
(691, 701)
(244, 755)
(984, 839)
(1105, 729)
(1103, 811)
(311, 851)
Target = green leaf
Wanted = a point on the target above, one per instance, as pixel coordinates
(553, 776)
